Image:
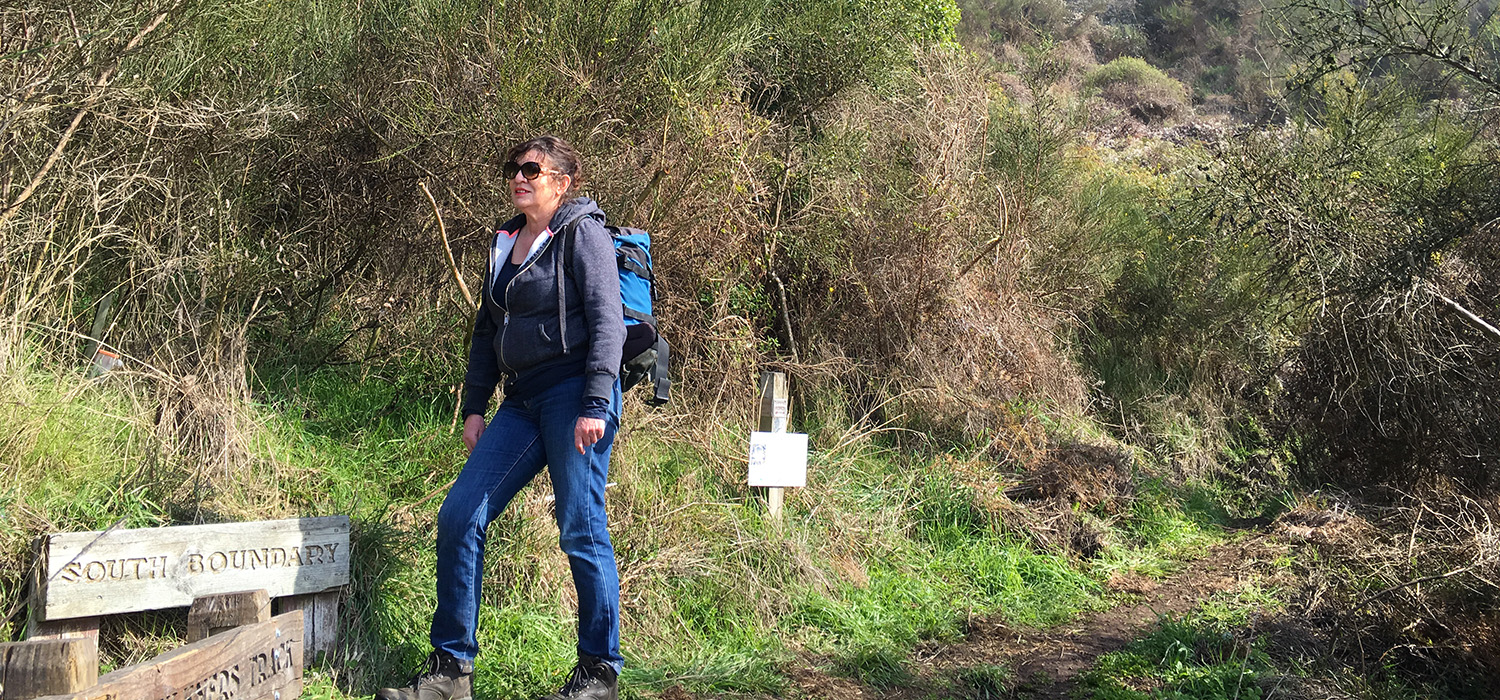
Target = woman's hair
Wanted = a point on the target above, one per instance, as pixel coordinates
(564, 158)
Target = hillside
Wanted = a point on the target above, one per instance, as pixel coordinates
(1071, 297)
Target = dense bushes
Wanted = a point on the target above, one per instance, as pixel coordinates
(785, 196)
(1306, 273)
(250, 187)
(813, 51)
(1015, 21)
(265, 161)
(1221, 50)
(1137, 86)
(261, 204)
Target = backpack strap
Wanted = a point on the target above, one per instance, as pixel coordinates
(565, 261)
(567, 250)
(663, 382)
(632, 259)
(647, 318)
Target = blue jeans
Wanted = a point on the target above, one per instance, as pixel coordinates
(523, 437)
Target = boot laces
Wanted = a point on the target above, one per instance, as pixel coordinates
(432, 671)
(579, 680)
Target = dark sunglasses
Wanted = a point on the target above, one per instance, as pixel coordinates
(531, 169)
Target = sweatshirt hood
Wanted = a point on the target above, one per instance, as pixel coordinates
(569, 212)
(573, 210)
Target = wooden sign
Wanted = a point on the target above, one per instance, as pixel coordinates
(262, 661)
(222, 612)
(117, 571)
(775, 413)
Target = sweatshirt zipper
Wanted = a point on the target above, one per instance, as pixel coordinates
(505, 323)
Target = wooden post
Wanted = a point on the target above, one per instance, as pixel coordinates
(35, 668)
(212, 614)
(85, 627)
(320, 621)
(775, 411)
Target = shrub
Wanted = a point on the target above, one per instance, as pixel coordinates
(812, 50)
(1304, 271)
(1112, 41)
(1143, 89)
(1013, 21)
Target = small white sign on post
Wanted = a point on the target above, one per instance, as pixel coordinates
(778, 459)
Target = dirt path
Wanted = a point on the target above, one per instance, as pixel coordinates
(1046, 663)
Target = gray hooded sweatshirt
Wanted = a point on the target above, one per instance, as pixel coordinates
(562, 303)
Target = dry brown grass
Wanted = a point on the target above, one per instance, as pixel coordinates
(1406, 586)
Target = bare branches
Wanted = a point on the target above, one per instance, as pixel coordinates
(1468, 315)
(100, 84)
(1003, 231)
(447, 248)
(1336, 34)
(1415, 582)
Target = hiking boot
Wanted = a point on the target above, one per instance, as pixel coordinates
(592, 679)
(442, 678)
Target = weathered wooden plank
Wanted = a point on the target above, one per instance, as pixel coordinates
(35, 668)
(116, 571)
(71, 628)
(255, 662)
(775, 411)
(221, 612)
(320, 621)
(775, 403)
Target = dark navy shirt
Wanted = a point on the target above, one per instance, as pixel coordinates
(502, 280)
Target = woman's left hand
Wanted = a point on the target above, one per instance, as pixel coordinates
(586, 432)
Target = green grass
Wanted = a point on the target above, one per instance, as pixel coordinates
(883, 551)
(870, 630)
(1192, 658)
(1162, 528)
(985, 681)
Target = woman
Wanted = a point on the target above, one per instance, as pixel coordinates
(550, 323)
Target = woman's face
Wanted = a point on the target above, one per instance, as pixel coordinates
(542, 193)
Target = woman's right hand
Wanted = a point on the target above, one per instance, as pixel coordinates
(473, 428)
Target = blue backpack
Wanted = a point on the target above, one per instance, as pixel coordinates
(646, 351)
